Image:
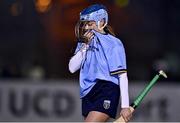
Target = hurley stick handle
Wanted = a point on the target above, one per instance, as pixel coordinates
(141, 96)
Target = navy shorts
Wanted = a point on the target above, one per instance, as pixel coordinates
(103, 97)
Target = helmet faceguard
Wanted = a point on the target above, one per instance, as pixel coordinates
(95, 13)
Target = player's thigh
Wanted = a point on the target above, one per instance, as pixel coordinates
(95, 116)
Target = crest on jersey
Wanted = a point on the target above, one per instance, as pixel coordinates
(106, 104)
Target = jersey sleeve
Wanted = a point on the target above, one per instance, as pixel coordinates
(116, 59)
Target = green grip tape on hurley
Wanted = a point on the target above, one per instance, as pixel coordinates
(145, 91)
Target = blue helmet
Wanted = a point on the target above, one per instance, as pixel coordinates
(96, 13)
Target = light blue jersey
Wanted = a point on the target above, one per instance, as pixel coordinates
(105, 58)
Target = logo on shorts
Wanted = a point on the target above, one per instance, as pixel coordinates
(106, 104)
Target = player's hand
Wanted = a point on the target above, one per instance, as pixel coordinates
(84, 47)
(89, 36)
(126, 114)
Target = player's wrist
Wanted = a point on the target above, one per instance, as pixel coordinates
(124, 107)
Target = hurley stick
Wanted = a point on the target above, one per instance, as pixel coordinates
(141, 96)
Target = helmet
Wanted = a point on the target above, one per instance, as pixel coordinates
(96, 13)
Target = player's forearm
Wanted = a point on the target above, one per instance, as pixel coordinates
(123, 82)
(76, 60)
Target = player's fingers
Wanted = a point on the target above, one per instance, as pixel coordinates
(126, 116)
(129, 117)
(125, 119)
(86, 33)
(89, 35)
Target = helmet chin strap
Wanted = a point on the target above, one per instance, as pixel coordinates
(98, 25)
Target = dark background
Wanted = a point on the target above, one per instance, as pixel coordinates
(37, 36)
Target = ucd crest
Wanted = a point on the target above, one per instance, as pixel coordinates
(106, 104)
